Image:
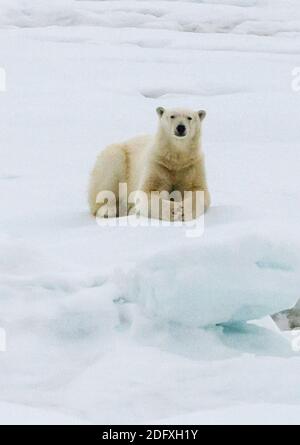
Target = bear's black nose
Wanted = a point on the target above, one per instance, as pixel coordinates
(180, 130)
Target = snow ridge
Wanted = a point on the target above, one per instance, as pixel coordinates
(248, 18)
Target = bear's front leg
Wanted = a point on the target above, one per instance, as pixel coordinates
(152, 194)
(172, 210)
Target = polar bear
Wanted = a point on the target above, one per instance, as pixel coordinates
(168, 166)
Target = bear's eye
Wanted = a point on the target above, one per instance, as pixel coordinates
(190, 118)
(172, 117)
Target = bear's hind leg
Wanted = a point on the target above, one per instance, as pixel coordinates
(109, 171)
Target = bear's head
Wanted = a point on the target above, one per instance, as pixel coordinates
(180, 124)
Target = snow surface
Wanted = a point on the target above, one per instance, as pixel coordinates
(118, 324)
(13, 414)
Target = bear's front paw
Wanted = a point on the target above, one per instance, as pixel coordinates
(176, 211)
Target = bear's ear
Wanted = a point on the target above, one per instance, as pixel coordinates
(160, 111)
(201, 114)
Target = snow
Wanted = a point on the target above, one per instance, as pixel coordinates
(261, 414)
(205, 273)
(13, 414)
(117, 324)
(254, 18)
